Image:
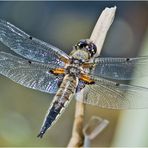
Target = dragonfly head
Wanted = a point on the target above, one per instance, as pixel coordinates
(87, 45)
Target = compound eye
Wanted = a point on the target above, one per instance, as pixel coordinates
(88, 47)
(94, 48)
(82, 44)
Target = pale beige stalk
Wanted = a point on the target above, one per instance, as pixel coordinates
(101, 28)
(98, 37)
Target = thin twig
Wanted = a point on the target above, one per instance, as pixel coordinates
(77, 133)
(98, 37)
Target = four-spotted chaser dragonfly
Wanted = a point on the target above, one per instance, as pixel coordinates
(49, 69)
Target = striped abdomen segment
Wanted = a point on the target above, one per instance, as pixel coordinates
(60, 101)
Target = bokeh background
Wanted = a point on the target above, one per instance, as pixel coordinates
(62, 24)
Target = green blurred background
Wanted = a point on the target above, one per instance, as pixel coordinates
(62, 24)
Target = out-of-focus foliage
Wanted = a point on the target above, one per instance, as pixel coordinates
(63, 24)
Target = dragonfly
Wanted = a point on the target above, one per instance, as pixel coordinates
(46, 68)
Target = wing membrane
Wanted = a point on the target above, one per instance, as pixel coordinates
(29, 47)
(119, 68)
(108, 94)
(30, 74)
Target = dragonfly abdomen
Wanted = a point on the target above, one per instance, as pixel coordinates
(60, 101)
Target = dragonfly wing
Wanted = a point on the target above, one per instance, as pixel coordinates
(119, 68)
(29, 47)
(30, 74)
(108, 94)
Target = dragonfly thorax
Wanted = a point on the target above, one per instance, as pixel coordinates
(75, 66)
(80, 55)
(73, 71)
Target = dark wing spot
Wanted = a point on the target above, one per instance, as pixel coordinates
(90, 83)
(93, 82)
(30, 37)
(127, 59)
(52, 72)
(117, 84)
(29, 62)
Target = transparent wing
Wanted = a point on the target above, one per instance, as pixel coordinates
(30, 74)
(29, 47)
(119, 68)
(108, 94)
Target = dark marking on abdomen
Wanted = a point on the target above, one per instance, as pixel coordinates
(60, 101)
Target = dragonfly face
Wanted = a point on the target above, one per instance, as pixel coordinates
(88, 46)
(45, 67)
(84, 50)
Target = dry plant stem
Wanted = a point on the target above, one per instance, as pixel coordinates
(77, 133)
(101, 28)
(98, 36)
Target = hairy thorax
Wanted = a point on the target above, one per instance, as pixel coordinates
(78, 57)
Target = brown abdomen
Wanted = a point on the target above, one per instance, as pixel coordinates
(60, 101)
